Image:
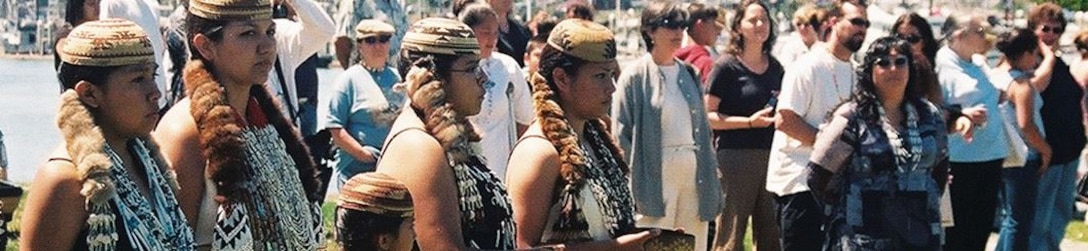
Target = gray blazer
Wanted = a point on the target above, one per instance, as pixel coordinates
(636, 122)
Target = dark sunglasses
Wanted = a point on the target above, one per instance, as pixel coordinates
(885, 62)
(670, 23)
(376, 39)
(914, 39)
(860, 22)
(1055, 30)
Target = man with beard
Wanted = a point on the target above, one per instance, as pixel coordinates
(819, 81)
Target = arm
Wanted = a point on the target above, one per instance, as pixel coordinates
(622, 113)
(719, 121)
(54, 211)
(341, 138)
(794, 126)
(418, 161)
(180, 146)
(531, 181)
(830, 153)
(1041, 80)
(1022, 98)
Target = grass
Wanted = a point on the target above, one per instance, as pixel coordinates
(1076, 231)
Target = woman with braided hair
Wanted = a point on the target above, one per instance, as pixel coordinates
(247, 179)
(432, 149)
(569, 181)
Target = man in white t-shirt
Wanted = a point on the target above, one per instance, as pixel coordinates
(305, 32)
(507, 109)
(812, 88)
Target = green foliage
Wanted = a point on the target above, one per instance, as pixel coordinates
(1072, 5)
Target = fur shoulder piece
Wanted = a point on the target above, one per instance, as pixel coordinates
(85, 145)
(221, 137)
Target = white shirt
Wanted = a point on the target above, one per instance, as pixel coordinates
(145, 14)
(295, 42)
(791, 51)
(675, 119)
(812, 88)
(507, 102)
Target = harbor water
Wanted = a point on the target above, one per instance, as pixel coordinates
(29, 93)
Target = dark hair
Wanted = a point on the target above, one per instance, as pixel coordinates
(736, 40)
(1081, 42)
(477, 13)
(580, 10)
(198, 25)
(73, 12)
(1045, 12)
(544, 29)
(656, 13)
(459, 5)
(441, 63)
(70, 75)
(929, 42)
(1015, 43)
(865, 93)
(698, 11)
(551, 59)
(359, 230)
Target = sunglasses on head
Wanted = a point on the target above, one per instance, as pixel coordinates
(860, 22)
(888, 61)
(1050, 29)
(911, 38)
(376, 39)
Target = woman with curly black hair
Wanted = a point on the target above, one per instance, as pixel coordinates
(881, 161)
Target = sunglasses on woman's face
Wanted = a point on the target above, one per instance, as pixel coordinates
(885, 62)
(670, 24)
(914, 39)
(376, 39)
(1052, 29)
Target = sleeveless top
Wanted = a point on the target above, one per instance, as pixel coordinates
(276, 214)
(130, 221)
(603, 208)
(487, 218)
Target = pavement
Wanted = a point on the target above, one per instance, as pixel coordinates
(1065, 245)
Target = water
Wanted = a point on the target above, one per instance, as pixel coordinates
(29, 93)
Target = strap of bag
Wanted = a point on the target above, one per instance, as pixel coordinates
(286, 93)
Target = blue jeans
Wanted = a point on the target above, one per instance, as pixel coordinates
(1018, 191)
(1054, 205)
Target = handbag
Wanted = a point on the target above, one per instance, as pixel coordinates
(1017, 148)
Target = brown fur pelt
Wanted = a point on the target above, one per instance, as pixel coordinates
(86, 144)
(428, 98)
(557, 129)
(221, 134)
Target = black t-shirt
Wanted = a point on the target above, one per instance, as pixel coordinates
(1061, 113)
(513, 41)
(742, 93)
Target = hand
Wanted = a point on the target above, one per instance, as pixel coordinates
(762, 118)
(977, 115)
(1046, 50)
(1044, 155)
(634, 241)
(965, 128)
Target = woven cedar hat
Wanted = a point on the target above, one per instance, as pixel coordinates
(235, 10)
(583, 39)
(373, 27)
(109, 42)
(441, 36)
(376, 193)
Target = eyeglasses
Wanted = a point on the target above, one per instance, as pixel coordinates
(860, 22)
(885, 62)
(914, 39)
(376, 39)
(1054, 30)
(478, 72)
